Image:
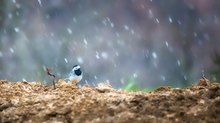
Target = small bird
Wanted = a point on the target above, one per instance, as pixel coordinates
(75, 75)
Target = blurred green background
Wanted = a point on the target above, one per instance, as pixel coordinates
(129, 43)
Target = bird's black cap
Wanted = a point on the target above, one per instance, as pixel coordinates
(75, 66)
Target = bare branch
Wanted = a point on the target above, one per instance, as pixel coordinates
(48, 70)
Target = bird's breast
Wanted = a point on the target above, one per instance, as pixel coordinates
(75, 79)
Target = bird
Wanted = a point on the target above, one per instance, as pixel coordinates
(75, 75)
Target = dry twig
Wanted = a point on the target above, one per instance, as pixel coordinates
(50, 74)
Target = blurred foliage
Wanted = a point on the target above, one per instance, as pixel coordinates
(131, 85)
(215, 72)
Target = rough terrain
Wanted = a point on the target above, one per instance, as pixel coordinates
(34, 102)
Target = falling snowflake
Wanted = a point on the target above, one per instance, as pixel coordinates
(11, 50)
(104, 55)
(85, 41)
(170, 20)
(126, 27)
(65, 59)
(154, 55)
(167, 44)
(16, 29)
(24, 80)
(122, 81)
(112, 24)
(157, 20)
(163, 77)
(10, 16)
(95, 77)
(74, 20)
(150, 14)
(97, 55)
(39, 1)
(69, 31)
(135, 75)
(178, 62)
(80, 60)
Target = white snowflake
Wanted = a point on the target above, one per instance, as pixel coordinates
(154, 55)
(85, 41)
(65, 59)
(80, 60)
(135, 75)
(16, 29)
(74, 20)
(126, 27)
(39, 1)
(112, 24)
(104, 55)
(95, 77)
(157, 20)
(97, 55)
(178, 62)
(167, 44)
(163, 77)
(170, 20)
(69, 31)
(11, 50)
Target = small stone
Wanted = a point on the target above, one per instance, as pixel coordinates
(104, 87)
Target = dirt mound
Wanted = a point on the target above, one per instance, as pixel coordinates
(34, 102)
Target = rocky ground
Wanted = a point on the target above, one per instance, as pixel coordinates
(34, 102)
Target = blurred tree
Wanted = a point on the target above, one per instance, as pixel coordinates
(2, 18)
(187, 42)
(2, 14)
(183, 33)
(215, 71)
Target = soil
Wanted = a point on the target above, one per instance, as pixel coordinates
(35, 102)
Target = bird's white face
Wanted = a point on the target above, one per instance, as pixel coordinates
(76, 67)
